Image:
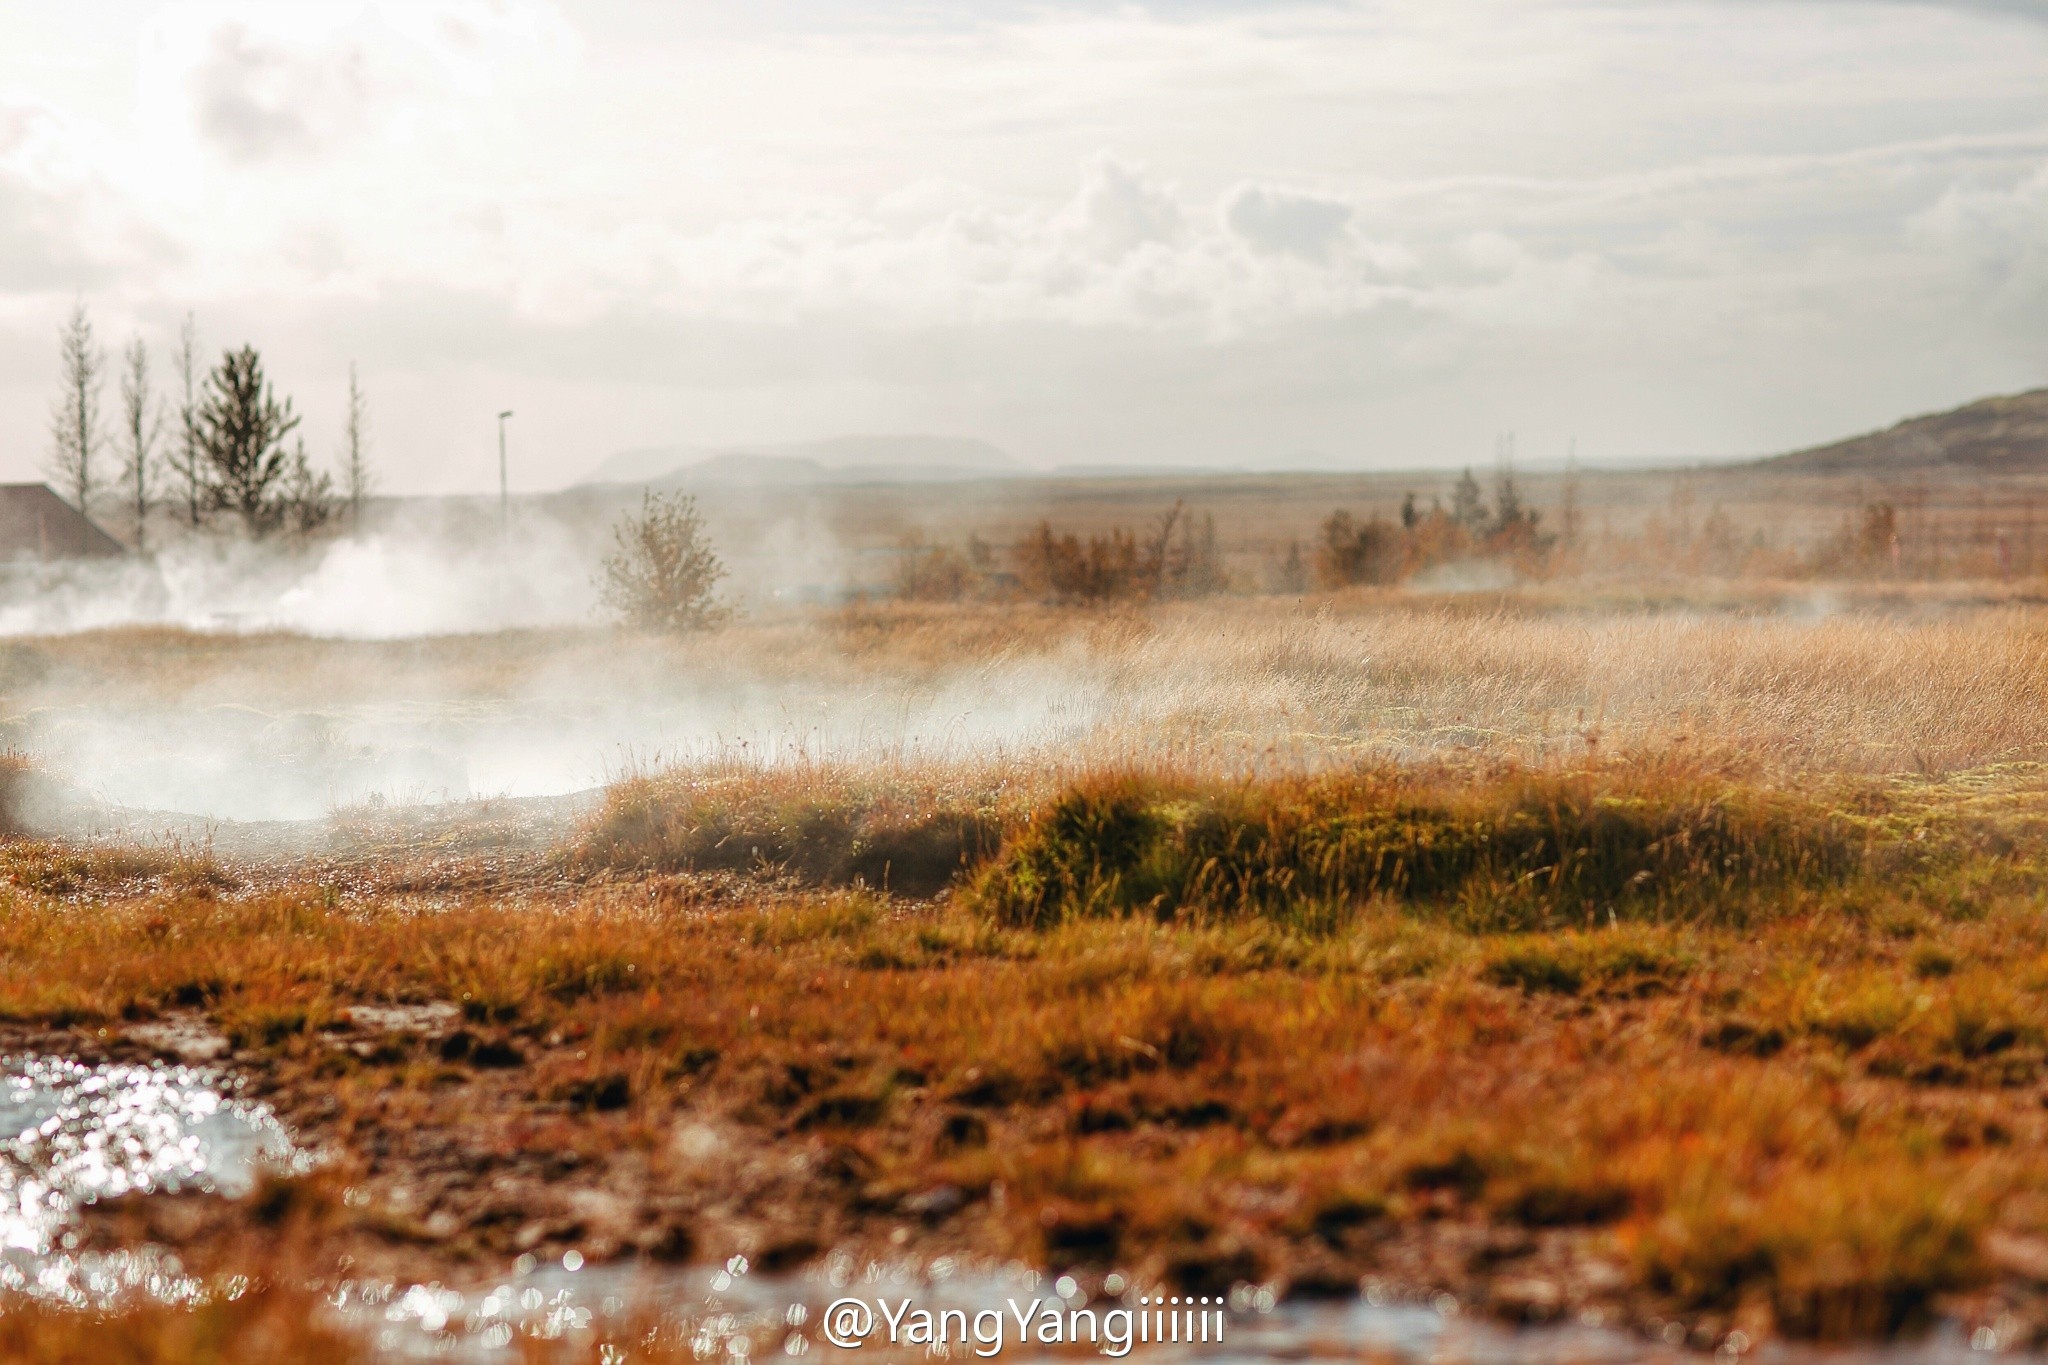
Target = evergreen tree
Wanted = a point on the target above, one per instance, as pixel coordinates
(1468, 505)
(241, 428)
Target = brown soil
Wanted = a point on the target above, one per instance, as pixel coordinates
(454, 1180)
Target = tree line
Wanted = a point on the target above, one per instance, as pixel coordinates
(1350, 551)
(1178, 555)
(213, 451)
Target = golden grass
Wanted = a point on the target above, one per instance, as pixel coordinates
(1227, 684)
(1506, 849)
(892, 828)
(1700, 952)
(1704, 1105)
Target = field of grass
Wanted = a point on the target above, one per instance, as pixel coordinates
(1650, 962)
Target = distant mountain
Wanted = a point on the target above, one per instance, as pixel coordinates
(748, 468)
(1990, 436)
(1142, 471)
(844, 459)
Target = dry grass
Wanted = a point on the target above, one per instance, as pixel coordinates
(1927, 685)
(905, 831)
(1700, 1106)
(1684, 963)
(1502, 850)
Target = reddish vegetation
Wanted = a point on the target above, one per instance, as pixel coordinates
(1199, 1076)
(1740, 1029)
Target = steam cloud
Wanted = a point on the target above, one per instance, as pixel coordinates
(401, 581)
(289, 724)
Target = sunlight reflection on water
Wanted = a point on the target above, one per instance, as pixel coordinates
(77, 1133)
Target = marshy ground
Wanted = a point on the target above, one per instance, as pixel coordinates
(1591, 959)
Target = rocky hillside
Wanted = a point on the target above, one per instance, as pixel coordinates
(2007, 435)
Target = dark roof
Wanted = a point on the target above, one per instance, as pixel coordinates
(37, 524)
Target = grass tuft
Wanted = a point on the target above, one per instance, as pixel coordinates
(1523, 850)
(822, 827)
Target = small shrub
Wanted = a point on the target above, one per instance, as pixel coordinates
(1353, 552)
(1177, 556)
(941, 573)
(662, 571)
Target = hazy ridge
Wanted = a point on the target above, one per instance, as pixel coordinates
(2001, 435)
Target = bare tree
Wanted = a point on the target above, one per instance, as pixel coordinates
(75, 435)
(242, 428)
(305, 495)
(1569, 515)
(142, 422)
(1162, 544)
(356, 478)
(187, 458)
(661, 574)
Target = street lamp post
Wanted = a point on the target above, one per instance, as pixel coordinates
(504, 488)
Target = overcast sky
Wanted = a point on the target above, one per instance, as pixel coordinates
(1193, 231)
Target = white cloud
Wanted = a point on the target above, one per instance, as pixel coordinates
(1294, 224)
(1998, 237)
(256, 101)
(1119, 211)
(63, 224)
(1206, 230)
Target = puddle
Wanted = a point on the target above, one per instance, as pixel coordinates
(75, 1133)
(726, 1314)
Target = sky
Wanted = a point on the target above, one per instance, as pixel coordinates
(1191, 232)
